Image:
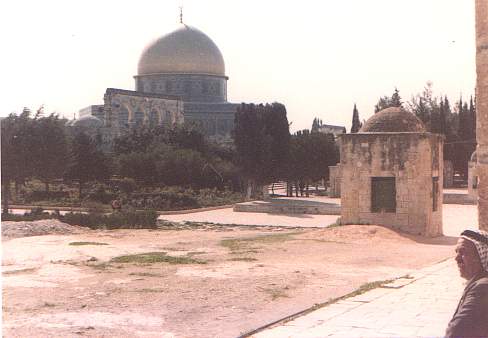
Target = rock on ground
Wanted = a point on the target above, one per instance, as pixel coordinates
(12, 229)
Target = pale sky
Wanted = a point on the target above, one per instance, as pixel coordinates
(316, 57)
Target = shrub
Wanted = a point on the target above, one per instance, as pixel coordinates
(94, 207)
(36, 195)
(214, 197)
(27, 217)
(146, 219)
(164, 200)
(177, 198)
(125, 185)
(100, 194)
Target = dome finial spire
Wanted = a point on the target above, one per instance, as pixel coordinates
(181, 14)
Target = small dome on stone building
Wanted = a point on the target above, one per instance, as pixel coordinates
(393, 120)
(88, 121)
(186, 50)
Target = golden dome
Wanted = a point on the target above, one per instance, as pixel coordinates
(186, 50)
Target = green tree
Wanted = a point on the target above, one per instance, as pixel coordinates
(464, 123)
(260, 138)
(18, 150)
(311, 154)
(316, 124)
(183, 167)
(138, 166)
(277, 128)
(386, 102)
(87, 163)
(51, 150)
(135, 141)
(356, 124)
(472, 119)
(442, 119)
(187, 137)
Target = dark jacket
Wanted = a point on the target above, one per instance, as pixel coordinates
(471, 316)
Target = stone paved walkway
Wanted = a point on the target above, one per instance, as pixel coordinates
(228, 216)
(411, 307)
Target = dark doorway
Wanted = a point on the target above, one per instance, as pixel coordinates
(383, 194)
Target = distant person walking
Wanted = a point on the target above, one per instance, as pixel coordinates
(471, 316)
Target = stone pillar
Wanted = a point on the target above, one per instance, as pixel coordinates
(482, 109)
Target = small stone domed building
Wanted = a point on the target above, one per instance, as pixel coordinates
(392, 174)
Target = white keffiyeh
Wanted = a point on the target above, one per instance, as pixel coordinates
(480, 240)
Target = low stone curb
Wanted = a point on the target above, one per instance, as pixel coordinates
(192, 211)
(81, 209)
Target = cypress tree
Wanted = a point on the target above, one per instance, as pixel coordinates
(462, 120)
(472, 118)
(315, 125)
(396, 100)
(356, 124)
(442, 119)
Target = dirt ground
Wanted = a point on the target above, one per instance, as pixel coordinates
(218, 281)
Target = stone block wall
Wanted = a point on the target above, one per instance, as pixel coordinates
(335, 181)
(413, 159)
(482, 109)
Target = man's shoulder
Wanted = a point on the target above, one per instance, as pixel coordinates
(481, 284)
(483, 279)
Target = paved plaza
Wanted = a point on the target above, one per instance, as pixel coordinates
(418, 306)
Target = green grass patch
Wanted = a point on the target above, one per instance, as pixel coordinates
(20, 271)
(146, 219)
(194, 253)
(145, 274)
(87, 243)
(156, 257)
(147, 290)
(243, 259)
(100, 266)
(243, 244)
(276, 293)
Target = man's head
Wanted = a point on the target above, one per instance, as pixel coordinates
(472, 253)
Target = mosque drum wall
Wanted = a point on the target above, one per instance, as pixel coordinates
(190, 87)
(413, 161)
